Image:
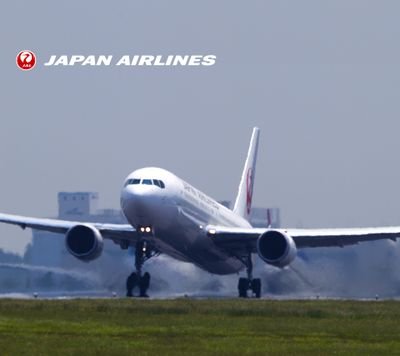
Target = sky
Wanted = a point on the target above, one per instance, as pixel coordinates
(320, 79)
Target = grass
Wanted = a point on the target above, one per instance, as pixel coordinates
(223, 327)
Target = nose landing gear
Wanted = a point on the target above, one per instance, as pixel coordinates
(143, 252)
(249, 283)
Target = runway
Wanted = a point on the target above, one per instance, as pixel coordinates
(23, 281)
(59, 295)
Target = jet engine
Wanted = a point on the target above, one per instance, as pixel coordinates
(276, 248)
(84, 242)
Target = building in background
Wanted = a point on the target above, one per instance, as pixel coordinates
(261, 217)
(265, 217)
(47, 248)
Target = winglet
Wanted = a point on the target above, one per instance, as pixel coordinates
(245, 194)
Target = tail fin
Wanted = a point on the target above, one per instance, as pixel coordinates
(245, 194)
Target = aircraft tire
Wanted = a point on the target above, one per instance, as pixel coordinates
(243, 286)
(144, 284)
(131, 282)
(256, 287)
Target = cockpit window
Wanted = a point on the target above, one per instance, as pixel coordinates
(159, 183)
(132, 181)
(156, 182)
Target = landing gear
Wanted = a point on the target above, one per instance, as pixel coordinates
(249, 283)
(246, 284)
(142, 253)
(144, 284)
(243, 286)
(256, 287)
(131, 283)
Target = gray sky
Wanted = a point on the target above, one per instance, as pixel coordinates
(321, 80)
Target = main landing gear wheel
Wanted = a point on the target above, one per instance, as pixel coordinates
(243, 286)
(246, 284)
(249, 283)
(142, 253)
(256, 287)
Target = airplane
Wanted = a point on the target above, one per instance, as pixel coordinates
(168, 215)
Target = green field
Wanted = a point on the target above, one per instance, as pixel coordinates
(158, 327)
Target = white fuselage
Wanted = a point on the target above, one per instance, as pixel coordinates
(178, 215)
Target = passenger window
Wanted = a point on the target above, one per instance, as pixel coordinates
(147, 181)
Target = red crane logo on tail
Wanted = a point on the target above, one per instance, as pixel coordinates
(249, 189)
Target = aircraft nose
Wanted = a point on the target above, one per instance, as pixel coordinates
(139, 202)
(134, 199)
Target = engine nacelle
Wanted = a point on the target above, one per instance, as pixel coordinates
(84, 242)
(276, 248)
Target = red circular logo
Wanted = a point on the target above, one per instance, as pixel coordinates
(26, 60)
(249, 189)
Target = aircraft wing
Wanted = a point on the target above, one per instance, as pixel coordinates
(108, 231)
(245, 239)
